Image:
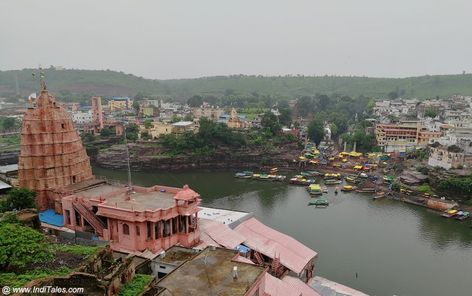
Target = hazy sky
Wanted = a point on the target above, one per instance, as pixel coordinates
(193, 38)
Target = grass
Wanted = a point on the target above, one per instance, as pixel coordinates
(136, 285)
(18, 280)
(77, 249)
(9, 143)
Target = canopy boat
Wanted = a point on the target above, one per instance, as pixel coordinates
(387, 179)
(319, 202)
(276, 177)
(463, 216)
(348, 188)
(449, 214)
(329, 176)
(301, 180)
(244, 175)
(264, 177)
(379, 195)
(351, 179)
(363, 175)
(314, 189)
(273, 171)
(332, 182)
(314, 173)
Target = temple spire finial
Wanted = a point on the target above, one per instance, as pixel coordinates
(41, 76)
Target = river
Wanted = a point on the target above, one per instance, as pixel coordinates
(395, 248)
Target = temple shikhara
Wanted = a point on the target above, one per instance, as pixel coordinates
(150, 221)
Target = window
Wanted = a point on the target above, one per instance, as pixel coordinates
(137, 230)
(63, 125)
(67, 212)
(125, 229)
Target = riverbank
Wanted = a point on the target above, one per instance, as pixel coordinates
(151, 159)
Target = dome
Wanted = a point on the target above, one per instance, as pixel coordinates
(186, 194)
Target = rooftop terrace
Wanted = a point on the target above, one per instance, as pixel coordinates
(210, 273)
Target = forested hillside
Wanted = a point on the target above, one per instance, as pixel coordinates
(83, 83)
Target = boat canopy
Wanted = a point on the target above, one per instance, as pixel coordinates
(314, 187)
(452, 211)
(358, 167)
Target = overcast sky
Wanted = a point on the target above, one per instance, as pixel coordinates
(194, 38)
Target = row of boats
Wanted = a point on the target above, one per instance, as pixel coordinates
(456, 214)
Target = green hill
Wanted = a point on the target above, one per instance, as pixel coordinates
(110, 83)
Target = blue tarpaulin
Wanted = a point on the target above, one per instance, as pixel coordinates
(242, 249)
(50, 217)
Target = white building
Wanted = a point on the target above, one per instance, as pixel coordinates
(81, 117)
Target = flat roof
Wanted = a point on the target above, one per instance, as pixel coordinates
(95, 192)
(142, 201)
(210, 273)
(175, 255)
(227, 217)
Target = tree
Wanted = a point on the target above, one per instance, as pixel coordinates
(316, 130)
(148, 123)
(285, 117)
(8, 123)
(270, 122)
(430, 113)
(195, 101)
(136, 106)
(107, 132)
(18, 199)
(132, 132)
(21, 245)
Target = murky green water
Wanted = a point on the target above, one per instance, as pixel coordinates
(396, 249)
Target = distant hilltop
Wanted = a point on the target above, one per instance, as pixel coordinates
(111, 83)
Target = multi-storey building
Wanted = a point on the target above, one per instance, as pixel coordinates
(404, 136)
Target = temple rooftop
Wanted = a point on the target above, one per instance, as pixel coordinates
(142, 201)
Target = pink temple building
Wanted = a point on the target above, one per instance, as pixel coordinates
(153, 218)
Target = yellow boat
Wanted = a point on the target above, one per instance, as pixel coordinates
(348, 188)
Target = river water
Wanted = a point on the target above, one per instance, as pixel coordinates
(395, 248)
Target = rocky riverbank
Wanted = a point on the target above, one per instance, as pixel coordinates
(151, 158)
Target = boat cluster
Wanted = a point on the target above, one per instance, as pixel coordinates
(456, 214)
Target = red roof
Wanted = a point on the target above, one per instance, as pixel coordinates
(186, 194)
(263, 239)
(275, 287)
(216, 232)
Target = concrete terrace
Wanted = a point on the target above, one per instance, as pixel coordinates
(210, 273)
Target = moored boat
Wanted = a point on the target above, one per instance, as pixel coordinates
(463, 216)
(300, 180)
(314, 189)
(329, 176)
(319, 202)
(348, 188)
(332, 182)
(244, 175)
(449, 214)
(351, 179)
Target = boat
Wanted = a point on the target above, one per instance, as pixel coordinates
(277, 177)
(351, 179)
(363, 175)
(379, 195)
(329, 176)
(462, 215)
(301, 180)
(449, 214)
(319, 202)
(273, 171)
(324, 189)
(244, 175)
(315, 189)
(332, 182)
(347, 188)
(264, 177)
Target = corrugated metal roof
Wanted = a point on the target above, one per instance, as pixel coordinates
(220, 233)
(295, 287)
(293, 254)
(8, 168)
